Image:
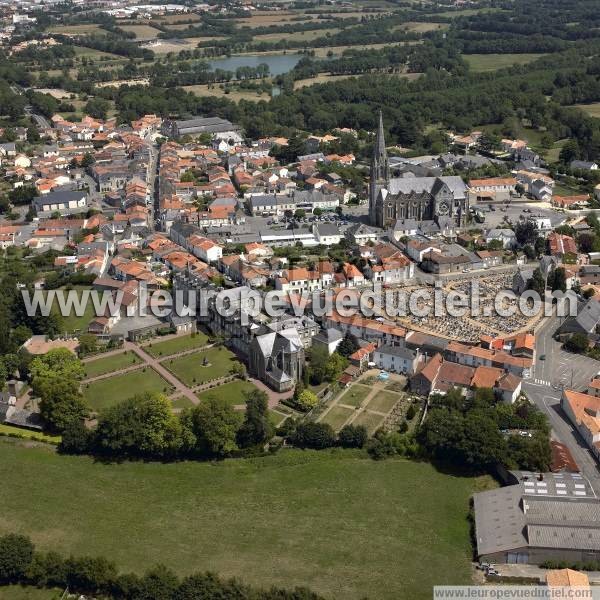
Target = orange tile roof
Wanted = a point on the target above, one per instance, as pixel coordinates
(486, 377)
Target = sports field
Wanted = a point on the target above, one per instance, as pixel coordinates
(112, 390)
(344, 525)
(191, 369)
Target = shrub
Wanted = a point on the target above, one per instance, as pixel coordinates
(313, 435)
(353, 436)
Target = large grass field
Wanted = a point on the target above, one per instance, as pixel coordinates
(344, 525)
(17, 592)
(234, 94)
(492, 62)
(109, 391)
(177, 344)
(232, 393)
(190, 368)
(108, 364)
(141, 31)
(78, 29)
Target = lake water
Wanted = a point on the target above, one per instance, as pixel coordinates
(278, 63)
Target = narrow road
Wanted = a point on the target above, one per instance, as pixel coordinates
(560, 369)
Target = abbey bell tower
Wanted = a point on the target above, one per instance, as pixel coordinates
(380, 171)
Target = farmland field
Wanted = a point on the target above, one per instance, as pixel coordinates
(78, 29)
(592, 110)
(492, 62)
(295, 518)
(141, 31)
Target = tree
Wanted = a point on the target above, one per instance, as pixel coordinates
(55, 379)
(215, 425)
(76, 438)
(159, 583)
(353, 436)
(577, 343)
(529, 251)
(143, 425)
(300, 213)
(317, 212)
(526, 232)
(334, 367)
(313, 435)
(88, 344)
(520, 189)
(61, 404)
(16, 554)
(349, 345)
(559, 280)
(569, 152)
(256, 428)
(97, 108)
(537, 283)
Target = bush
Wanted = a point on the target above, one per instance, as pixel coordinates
(353, 436)
(411, 412)
(16, 554)
(75, 439)
(313, 435)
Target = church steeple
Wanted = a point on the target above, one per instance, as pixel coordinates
(380, 170)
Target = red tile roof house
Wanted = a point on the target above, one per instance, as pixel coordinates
(561, 245)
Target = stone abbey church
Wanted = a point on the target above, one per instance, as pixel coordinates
(420, 199)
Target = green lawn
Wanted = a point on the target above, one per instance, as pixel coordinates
(355, 395)
(109, 391)
(371, 421)
(100, 366)
(492, 62)
(176, 344)
(383, 401)
(295, 518)
(337, 416)
(232, 393)
(190, 368)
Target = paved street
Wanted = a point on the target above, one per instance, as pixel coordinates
(560, 369)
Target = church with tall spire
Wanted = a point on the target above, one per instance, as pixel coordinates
(437, 199)
(380, 170)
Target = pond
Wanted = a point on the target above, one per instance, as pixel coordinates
(278, 63)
